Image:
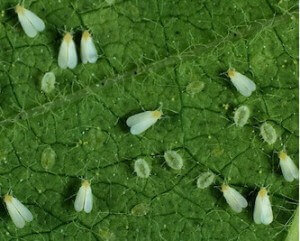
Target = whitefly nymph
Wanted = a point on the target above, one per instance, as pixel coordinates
(140, 209)
(205, 179)
(173, 159)
(142, 168)
(48, 158)
(241, 116)
(268, 133)
(48, 82)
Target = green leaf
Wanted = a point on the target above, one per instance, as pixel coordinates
(151, 52)
(293, 234)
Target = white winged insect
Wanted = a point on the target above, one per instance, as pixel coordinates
(17, 211)
(288, 167)
(262, 208)
(84, 198)
(242, 83)
(30, 23)
(87, 48)
(67, 56)
(141, 122)
(234, 199)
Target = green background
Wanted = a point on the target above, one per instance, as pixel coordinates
(150, 51)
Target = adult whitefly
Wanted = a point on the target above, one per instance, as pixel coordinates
(48, 82)
(142, 168)
(141, 122)
(17, 211)
(205, 179)
(67, 56)
(242, 83)
(84, 198)
(268, 133)
(241, 116)
(29, 21)
(173, 159)
(262, 209)
(88, 50)
(289, 169)
(234, 199)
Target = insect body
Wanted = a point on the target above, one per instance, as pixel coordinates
(288, 167)
(67, 56)
(234, 199)
(262, 209)
(142, 168)
(205, 180)
(268, 133)
(48, 82)
(241, 116)
(17, 211)
(242, 83)
(30, 23)
(84, 198)
(87, 48)
(173, 159)
(141, 122)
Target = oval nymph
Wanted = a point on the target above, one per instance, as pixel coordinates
(17, 211)
(173, 159)
(241, 116)
(107, 235)
(141, 122)
(195, 87)
(262, 208)
(268, 133)
(142, 168)
(29, 21)
(48, 158)
(242, 83)
(84, 198)
(48, 82)
(289, 169)
(87, 48)
(205, 179)
(67, 56)
(234, 199)
(140, 209)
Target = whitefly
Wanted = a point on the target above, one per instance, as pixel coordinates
(205, 179)
(48, 82)
(268, 133)
(241, 116)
